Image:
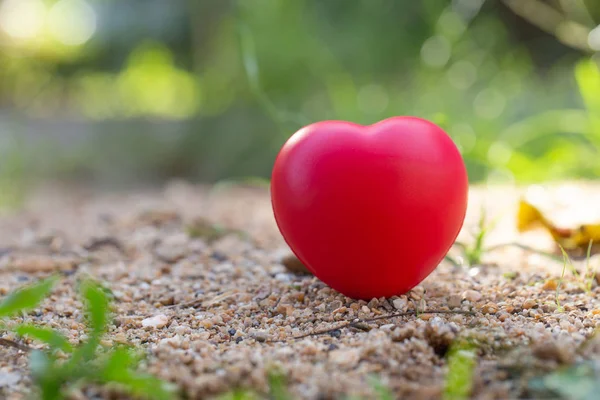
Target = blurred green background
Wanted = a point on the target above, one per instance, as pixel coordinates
(128, 92)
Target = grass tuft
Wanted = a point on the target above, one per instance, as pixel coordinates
(88, 363)
(26, 298)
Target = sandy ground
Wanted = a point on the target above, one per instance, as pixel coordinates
(223, 313)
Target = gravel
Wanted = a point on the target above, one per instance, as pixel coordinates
(219, 311)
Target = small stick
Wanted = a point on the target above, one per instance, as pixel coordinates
(15, 345)
(350, 324)
(205, 303)
(105, 242)
(525, 248)
(193, 303)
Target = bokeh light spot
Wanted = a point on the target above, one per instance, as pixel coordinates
(22, 19)
(489, 104)
(464, 137)
(451, 25)
(72, 22)
(499, 153)
(151, 84)
(436, 51)
(500, 176)
(372, 99)
(462, 74)
(467, 8)
(594, 38)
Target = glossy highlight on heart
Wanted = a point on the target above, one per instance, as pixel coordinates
(370, 210)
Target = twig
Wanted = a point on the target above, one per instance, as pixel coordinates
(15, 345)
(525, 248)
(193, 303)
(354, 324)
(108, 241)
(205, 303)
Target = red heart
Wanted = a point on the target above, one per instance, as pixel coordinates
(370, 210)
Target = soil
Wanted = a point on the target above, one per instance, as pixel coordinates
(216, 308)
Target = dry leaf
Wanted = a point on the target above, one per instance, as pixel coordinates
(575, 239)
(219, 298)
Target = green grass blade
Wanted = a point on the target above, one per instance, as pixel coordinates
(580, 279)
(525, 248)
(559, 307)
(119, 368)
(590, 274)
(52, 338)
(239, 394)
(119, 360)
(278, 386)
(461, 365)
(453, 261)
(96, 307)
(26, 298)
(381, 391)
(145, 386)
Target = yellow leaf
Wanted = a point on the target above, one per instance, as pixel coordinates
(530, 217)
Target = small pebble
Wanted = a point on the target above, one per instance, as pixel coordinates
(294, 265)
(551, 350)
(219, 256)
(550, 284)
(454, 301)
(259, 335)
(529, 303)
(472, 295)
(158, 321)
(489, 308)
(402, 333)
(9, 378)
(336, 334)
(345, 357)
(374, 303)
(400, 304)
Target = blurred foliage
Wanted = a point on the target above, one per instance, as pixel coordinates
(576, 382)
(136, 90)
(63, 369)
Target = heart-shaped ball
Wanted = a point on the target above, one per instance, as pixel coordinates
(370, 210)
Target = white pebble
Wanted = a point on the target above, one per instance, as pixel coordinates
(346, 358)
(387, 327)
(8, 378)
(472, 295)
(174, 341)
(400, 304)
(158, 321)
(282, 277)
